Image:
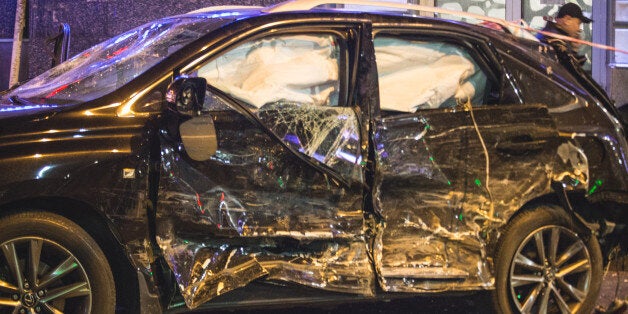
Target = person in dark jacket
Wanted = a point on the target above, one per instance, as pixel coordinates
(567, 23)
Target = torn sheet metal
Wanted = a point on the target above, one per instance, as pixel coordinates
(208, 269)
(442, 207)
(575, 166)
(257, 210)
(430, 241)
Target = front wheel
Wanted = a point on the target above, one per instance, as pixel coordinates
(48, 264)
(543, 266)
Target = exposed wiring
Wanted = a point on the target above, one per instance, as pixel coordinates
(469, 107)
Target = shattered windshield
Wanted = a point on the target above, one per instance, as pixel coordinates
(111, 64)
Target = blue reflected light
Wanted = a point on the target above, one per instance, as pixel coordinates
(25, 108)
(292, 139)
(42, 171)
(348, 157)
(123, 37)
(350, 134)
(319, 157)
(224, 14)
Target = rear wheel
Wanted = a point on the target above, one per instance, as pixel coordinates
(49, 264)
(544, 266)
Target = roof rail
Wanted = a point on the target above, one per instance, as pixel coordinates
(223, 8)
(306, 5)
(520, 29)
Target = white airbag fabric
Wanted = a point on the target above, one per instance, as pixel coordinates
(418, 75)
(289, 68)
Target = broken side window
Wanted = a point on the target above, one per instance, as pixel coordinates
(292, 83)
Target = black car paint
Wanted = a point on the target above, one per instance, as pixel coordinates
(73, 160)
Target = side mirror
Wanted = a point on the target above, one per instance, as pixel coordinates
(199, 137)
(187, 94)
(198, 134)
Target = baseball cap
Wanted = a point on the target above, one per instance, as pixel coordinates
(573, 10)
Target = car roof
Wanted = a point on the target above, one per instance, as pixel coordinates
(372, 7)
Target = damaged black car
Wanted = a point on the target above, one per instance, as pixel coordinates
(236, 157)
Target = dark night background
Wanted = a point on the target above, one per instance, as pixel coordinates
(93, 21)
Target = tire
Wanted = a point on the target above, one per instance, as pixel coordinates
(539, 281)
(71, 275)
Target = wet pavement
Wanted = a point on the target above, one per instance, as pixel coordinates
(476, 303)
(614, 285)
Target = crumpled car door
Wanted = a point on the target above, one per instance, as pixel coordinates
(282, 197)
(451, 169)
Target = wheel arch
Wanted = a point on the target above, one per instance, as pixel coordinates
(588, 217)
(518, 232)
(552, 201)
(99, 228)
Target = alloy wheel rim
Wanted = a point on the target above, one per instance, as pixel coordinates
(550, 272)
(38, 275)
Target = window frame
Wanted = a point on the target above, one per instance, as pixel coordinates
(348, 34)
(344, 66)
(617, 24)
